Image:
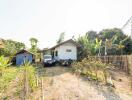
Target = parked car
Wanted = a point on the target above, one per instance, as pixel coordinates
(48, 60)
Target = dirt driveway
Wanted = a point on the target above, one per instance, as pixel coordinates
(61, 84)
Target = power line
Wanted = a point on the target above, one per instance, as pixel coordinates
(128, 21)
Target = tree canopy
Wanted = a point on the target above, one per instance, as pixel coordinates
(33, 42)
(114, 42)
(11, 47)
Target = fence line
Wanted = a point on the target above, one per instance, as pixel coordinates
(123, 62)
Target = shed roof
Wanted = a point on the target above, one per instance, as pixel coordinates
(24, 51)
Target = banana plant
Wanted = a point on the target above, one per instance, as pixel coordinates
(121, 46)
(4, 62)
(109, 43)
(98, 46)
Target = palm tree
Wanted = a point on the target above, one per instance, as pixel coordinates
(33, 42)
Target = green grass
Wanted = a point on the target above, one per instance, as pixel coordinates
(9, 74)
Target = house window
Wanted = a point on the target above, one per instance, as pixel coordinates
(68, 50)
(56, 53)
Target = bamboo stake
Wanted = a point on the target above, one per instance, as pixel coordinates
(26, 84)
(42, 88)
(37, 79)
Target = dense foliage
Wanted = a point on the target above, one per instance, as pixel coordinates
(9, 74)
(11, 47)
(6, 73)
(93, 68)
(4, 62)
(106, 42)
(28, 79)
(86, 48)
(33, 42)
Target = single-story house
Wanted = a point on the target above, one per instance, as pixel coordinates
(21, 56)
(64, 50)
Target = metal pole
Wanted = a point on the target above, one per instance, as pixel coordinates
(131, 29)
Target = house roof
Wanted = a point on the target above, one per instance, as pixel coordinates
(70, 40)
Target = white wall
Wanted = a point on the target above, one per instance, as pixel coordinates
(63, 54)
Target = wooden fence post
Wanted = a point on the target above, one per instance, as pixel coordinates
(42, 88)
(27, 90)
(25, 82)
(37, 79)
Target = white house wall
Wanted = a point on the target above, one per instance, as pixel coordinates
(62, 54)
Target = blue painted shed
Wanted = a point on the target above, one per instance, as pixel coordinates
(22, 56)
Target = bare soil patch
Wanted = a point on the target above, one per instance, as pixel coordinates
(61, 84)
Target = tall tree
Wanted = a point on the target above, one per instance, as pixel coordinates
(61, 38)
(33, 42)
(91, 35)
(86, 47)
(109, 33)
(112, 41)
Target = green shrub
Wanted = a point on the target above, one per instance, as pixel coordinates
(4, 62)
(29, 76)
(91, 67)
(9, 74)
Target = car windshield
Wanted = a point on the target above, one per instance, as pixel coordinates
(47, 57)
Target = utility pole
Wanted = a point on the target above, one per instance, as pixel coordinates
(131, 28)
(128, 21)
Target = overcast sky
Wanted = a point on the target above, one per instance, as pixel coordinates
(46, 19)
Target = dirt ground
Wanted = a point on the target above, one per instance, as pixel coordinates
(61, 84)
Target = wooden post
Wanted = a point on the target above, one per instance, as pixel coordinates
(27, 91)
(37, 79)
(25, 82)
(78, 76)
(42, 88)
(127, 68)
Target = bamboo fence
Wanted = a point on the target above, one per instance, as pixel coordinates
(123, 62)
